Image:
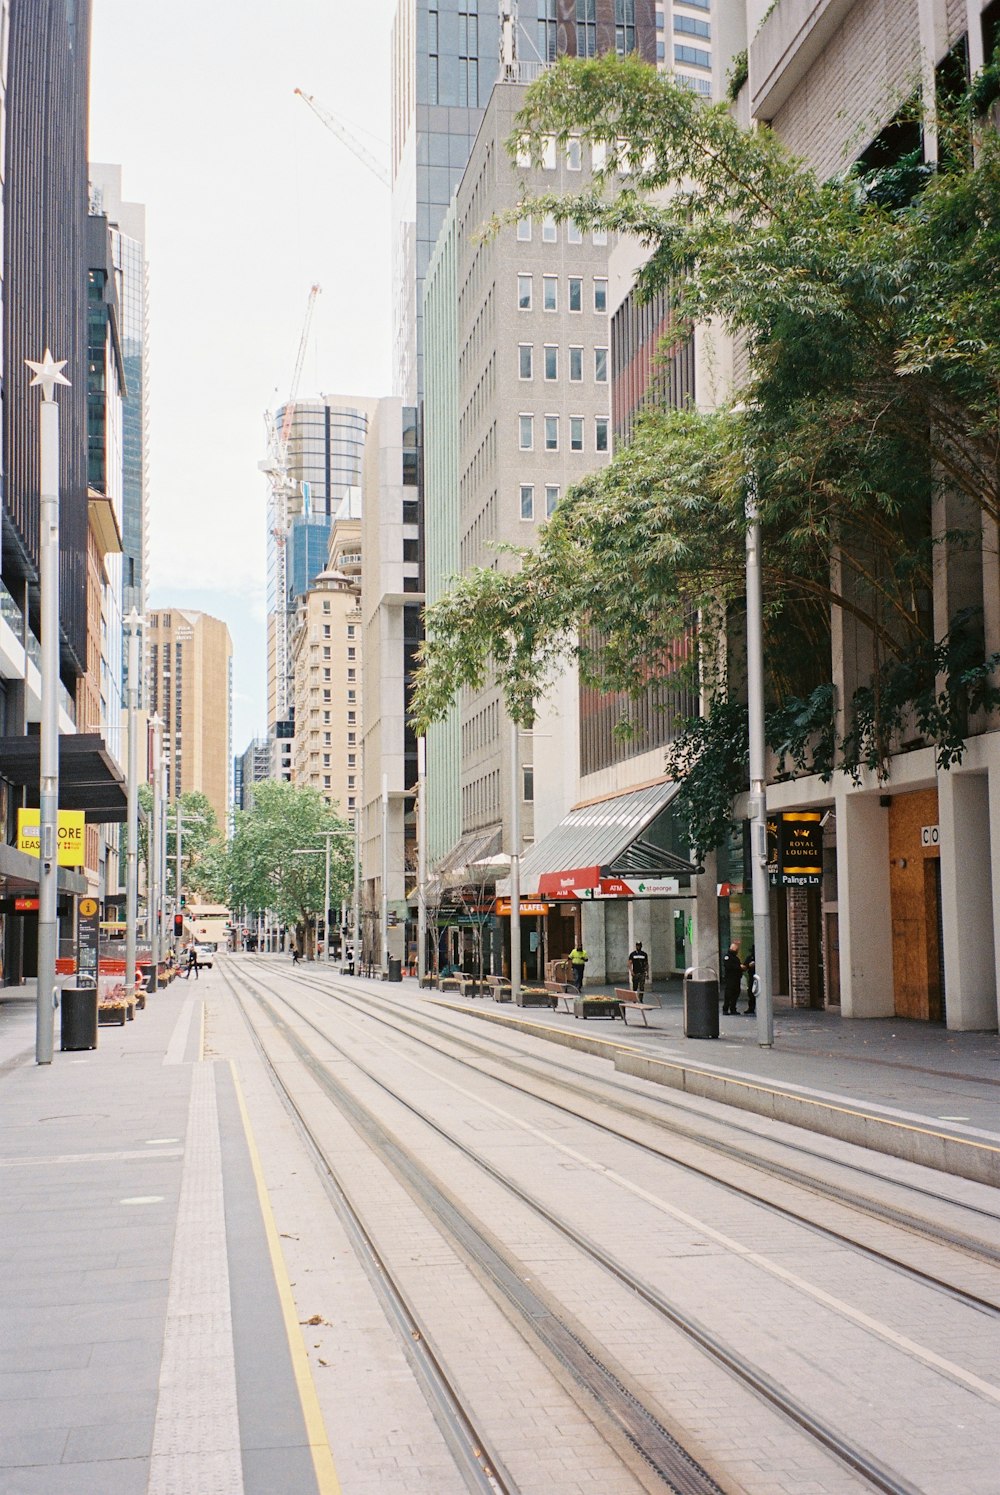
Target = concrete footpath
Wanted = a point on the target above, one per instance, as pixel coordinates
(913, 1090)
(148, 1344)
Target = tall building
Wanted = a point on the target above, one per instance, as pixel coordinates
(325, 443)
(127, 226)
(391, 601)
(191, 689)
(250, 767)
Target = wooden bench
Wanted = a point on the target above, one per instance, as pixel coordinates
(631, 1001)
(469, 986)
(499, 989)
(562, 994)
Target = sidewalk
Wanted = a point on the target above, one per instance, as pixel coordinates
(143, 1348)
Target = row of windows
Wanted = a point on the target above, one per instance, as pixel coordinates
(550, 363)
(482, 797)
(482, 729)
(693, 56)
(526, 433)
(528, 500)
(550, 293)
(550, 231)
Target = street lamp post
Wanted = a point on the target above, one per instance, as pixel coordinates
(47, 375)
(421, 860)
(153, 879)
(758, 782)
(180, 817)
(385, 876)
(133, 623)
(515, 864)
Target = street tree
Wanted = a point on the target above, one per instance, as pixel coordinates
(263, 870)
(867, 314)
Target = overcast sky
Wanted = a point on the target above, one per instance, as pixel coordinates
(249, 200)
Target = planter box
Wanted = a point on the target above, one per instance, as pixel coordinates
(596, 1007)
(534, 996)
(110, 1013)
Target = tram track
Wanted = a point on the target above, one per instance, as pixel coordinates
(884, 1214)
(647, 1435)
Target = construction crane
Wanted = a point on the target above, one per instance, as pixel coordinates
(344, 134)
(283, 487)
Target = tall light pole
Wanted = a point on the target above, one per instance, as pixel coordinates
(758, 781)
(356, 901)
(180, 816)
(515, 863)
(47, 375)
(421, 860)
(153, 879)
(133, 624)
(385, 875)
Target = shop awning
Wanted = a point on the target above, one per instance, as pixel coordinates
(615, 847)
(89, 778)
(468, 858)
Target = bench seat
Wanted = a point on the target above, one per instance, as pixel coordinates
(631, 1001)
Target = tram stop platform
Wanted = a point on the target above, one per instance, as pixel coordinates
(148, 1339)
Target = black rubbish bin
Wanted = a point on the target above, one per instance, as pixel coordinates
(701, 1009)
(78, 1017)
(395, 969)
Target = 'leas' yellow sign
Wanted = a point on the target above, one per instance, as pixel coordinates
(70, 835)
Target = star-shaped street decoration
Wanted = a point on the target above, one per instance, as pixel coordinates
(48, 373)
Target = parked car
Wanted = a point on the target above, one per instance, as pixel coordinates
(204, 954)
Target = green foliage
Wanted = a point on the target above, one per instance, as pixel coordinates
(710, 756)
(737, 75)
(262, 870)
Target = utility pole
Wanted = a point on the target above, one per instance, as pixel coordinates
(421, 860)
(47, 375)
(133, 624)
(385, 876)
(153, 880)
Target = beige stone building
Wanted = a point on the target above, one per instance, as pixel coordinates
(190, 659)
(326, 667)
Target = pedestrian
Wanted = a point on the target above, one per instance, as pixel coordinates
(296, 957)
(578, 958)
(751, 970)
(192, 962)
(732, 979)
(638, 968)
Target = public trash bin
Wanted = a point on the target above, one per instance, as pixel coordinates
(78, 1017)
(395, 969)
(701, 1008)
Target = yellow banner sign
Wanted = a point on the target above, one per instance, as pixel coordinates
(70, 835)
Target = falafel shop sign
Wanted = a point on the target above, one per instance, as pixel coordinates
(69, 835)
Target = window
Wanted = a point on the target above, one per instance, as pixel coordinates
(574, 233)
(551, 361)
(547, 30)
(326, 651)
(549, 153)
(350, 801)
(326, 716)
(411, 550)
(351, 652)
(601, 433)
(327, 739)
(550, 233)
(524, 361)
(327, 696)
(352, 759)
(601, 365)
(326, 674)
(352, 717)
(326, 609)
(661, 50)
(586, 28)
(524, 230)
(526, 432)
(527, 501)
(576, 433)
(624, 26)
(552, 433)
(600, 237)
(524, 151)
(690, 27)
(326, 630)
(575, 365)
(695, 56)
(352, 737)
(352, 695)
(528, 774)
(350, 780)
(550, 293)
(326, 762)
(551, 498)
(350, 630)
(694, 85)
(600, 294)
(574, 155)
(352, 673)
(524, 293)
(576, 293)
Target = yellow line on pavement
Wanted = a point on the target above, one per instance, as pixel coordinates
(326, 1474)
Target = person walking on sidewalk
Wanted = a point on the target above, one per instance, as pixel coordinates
(578, 958)
(638, 968)
(732, 979)
(751, 970)
(192, 963)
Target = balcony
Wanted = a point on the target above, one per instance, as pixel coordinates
(790, 38)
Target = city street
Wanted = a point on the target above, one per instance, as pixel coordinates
(507, 1266)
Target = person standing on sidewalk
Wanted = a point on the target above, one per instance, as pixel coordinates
(751, 970)
(732, 979)
(638, 968)
(578, 958)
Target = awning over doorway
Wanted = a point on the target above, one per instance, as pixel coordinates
(471, 851)
(616, 847)
(89, 778)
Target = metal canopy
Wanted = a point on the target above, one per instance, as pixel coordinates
(603, 841)
(89, 778)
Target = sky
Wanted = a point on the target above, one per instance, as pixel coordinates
(249, 200)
